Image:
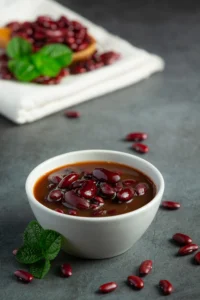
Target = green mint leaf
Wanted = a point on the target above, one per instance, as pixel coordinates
(40, 268)
(12, 65)
(61, 53)
(23, 69)
(28, 255)
(50, 243)
(18, 47)
(47, 66)
(32, 234)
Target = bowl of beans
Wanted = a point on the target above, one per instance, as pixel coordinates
(101, 201)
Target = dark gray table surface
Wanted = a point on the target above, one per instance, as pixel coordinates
(167, 107)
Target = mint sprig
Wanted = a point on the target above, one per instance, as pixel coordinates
(18, 47)
(46, 65)
(40, 268)
(27, 66)
(32, 234)
(39, 248)
(23, 69)
(51, 243)
(28, 255)
(60, 52)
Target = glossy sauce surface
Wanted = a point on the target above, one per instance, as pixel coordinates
(111, 206)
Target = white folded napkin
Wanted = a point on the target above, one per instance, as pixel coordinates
(23, 103)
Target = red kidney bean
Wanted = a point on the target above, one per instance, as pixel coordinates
(54, 40)
(77, 184)
(197, 258)
(88, 189)
(14, 26)
(63, 22)
(72, 212)
(42, 80)
(54, 33)
(15, 251)
(96, 203)
(39, 36)
(71, 200)
(4, 57)
(94, 206)
(72, 114)
(23, 276)
(60, 24)
(89, 65)
(182, 239)
(51, 25)
(136, 136)
(106, 175)
(67, 181)
(37, 27)
(125, 195)
(145, 267)
(66, 270)
(129, 182)
(69, 33)
(108, 287)
(50, 81)
(64, 72)
(51, 186)
(27, 27)
(55, 196)
(136, 282)
(76, 25)
(6, 73)
(166, 286)
(23, 35)
(81, 33)
(7, 76)
(83, 46)
(55, 178)
(118, 187)
(99, 65)
(79, 41)
(99, 213)
(26, 24)
(74, 47)
(107, 190)
(42, 19)
(98, 200)
(109, 57)
(188, 249)
(87, 175)
(140, 148)
(141, 188)
(70, 40)
(59, 210)
(78, 70)
(57, 79)
(171, 205)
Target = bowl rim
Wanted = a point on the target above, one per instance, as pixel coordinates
(159, 192)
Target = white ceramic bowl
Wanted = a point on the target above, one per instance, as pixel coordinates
(103, 237)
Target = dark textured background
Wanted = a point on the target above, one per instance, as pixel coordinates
(167, 107)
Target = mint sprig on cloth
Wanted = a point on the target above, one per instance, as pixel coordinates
(39, 248)
(27, 66)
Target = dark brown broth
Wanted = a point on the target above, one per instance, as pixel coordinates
(41, 187)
